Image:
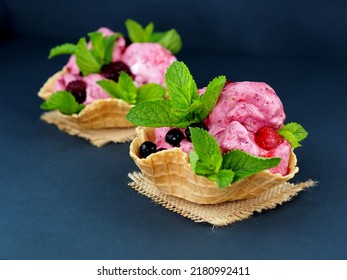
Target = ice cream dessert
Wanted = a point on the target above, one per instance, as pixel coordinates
(108, 73)
(225, 142)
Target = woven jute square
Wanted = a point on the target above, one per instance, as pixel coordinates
(97, 137)
(221, 214)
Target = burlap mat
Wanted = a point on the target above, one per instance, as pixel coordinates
(97, 137)
(218, 214)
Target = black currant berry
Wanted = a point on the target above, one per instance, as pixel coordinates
(78, 90)
(147, 148)
(112, 70)
(174, 137)
(127, 41)
(199, 125)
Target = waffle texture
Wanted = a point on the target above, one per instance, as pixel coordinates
(171, 173)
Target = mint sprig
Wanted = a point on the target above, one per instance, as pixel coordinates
(63, 101)
(89, 60)
(294, 133)
(184, 103)
(126, 90)
(170, 39)
(207, 160)
(66, 48)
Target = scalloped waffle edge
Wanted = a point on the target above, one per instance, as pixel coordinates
(170, 172)
(100, 114)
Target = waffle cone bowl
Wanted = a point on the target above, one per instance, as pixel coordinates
(103, 113)
(170, 172)
(100, 122)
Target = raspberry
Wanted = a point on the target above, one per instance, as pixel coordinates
(267, 138)
(78, 90)
(112, 70)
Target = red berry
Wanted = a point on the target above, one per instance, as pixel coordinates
(267, 138)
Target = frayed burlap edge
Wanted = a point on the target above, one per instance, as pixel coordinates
(221, 214)
(97, 137)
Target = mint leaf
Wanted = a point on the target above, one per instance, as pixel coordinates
(102, 46)
(171, 40)
(148, 31)
(137, 33)
(206, 159)
(156, 36)
(97, 42)
(127, 85)
(244, 164)
(181, 86)
(85, 60)
(109, 42)
(67, 48)
(150, 92)
(210, 97)
(63, 101)
(199, 167)
(207, 150)
(156, 113)
(223, 178)
(293, 133)
(124, 89)
(186, 105)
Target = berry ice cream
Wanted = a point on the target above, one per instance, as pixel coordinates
(144, 62)
(246, 117)
(148, 62)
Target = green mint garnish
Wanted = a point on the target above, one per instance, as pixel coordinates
(126, 90)
(63, 101)
(294, 133)
(184, 105)
(85, 59)
(89, 60)
(170, 39)
(67, 48)
(207, 160)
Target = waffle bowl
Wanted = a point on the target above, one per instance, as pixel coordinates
(100, 122)
(100, 114)
(170, 172)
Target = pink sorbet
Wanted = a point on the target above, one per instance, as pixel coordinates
(241, 110)
(252, 104)
(148, 62)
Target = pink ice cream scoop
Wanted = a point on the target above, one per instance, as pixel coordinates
(148, 62)
(241, 110)
(252, 104)
(118, 50)
(93, 90)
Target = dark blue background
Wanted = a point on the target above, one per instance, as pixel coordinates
(62, 198)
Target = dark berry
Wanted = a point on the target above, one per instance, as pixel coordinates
(147, 148)
(174, 137)
(199, 125)
(112, 70)
(78, 90)
(127, 41)
(227, 82)
(267, 138)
